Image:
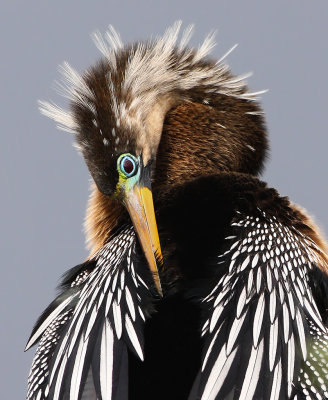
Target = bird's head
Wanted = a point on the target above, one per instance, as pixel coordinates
(157, 114)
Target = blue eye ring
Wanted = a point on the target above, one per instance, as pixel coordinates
(127, 165)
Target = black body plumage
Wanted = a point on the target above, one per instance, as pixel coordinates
(244, 279)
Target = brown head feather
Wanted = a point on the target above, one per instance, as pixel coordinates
(173, 106)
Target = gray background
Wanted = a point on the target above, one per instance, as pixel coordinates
(44, 183)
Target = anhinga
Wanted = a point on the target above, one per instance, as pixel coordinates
(202, 282)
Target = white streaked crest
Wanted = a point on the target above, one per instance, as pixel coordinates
(186, 36)
(64, 119)
(153, 70)
(113, 37)
(207, 46)
(73, 86)
(109, 45)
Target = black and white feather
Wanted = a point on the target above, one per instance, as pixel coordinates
(82, 353)
(264, 336)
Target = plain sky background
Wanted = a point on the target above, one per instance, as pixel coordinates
(44, 183)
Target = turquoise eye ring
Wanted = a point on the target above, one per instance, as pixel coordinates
(128, 165)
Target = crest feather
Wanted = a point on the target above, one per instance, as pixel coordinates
(153, 69)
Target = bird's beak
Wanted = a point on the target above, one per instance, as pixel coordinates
(139, 203)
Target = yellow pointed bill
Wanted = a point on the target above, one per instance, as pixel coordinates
(139, 203)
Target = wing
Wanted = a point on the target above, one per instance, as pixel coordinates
(264, 337)
(86, 332)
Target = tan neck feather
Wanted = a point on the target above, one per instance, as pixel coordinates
(102, 216)
(316, 234)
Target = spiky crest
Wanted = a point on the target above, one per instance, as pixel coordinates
(154, 69)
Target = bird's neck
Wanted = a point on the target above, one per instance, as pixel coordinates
(200, 212)
(104, 214)
(199, 215)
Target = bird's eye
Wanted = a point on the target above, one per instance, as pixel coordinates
(127, 165)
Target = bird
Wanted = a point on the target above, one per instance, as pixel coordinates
(202, 281)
